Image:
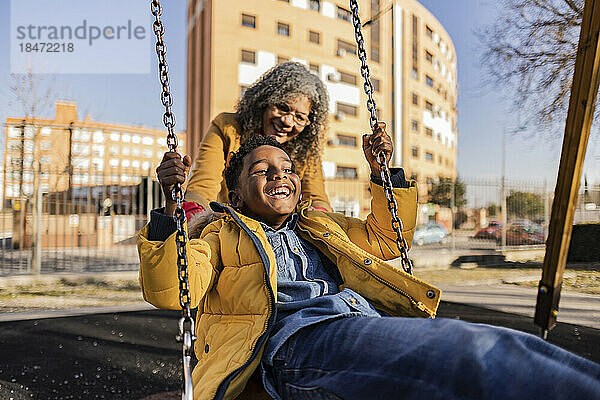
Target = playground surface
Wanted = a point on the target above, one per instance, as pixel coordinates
(133, 355)
(92, 336)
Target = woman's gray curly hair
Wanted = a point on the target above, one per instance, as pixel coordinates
(284, 83)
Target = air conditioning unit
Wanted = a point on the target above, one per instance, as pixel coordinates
(334, 76)
(340, 116)
(340, 52)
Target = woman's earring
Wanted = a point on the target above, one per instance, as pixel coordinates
(300, 199)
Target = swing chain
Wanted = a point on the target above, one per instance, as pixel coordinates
(385, 172)
(186, 322)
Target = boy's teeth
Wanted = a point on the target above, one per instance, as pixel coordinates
(280, 191)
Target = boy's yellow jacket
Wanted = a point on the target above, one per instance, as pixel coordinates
(233, 281)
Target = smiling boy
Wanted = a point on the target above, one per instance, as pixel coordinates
(305, 299)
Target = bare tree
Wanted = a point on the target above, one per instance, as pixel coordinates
(530, 50)
(33, 94)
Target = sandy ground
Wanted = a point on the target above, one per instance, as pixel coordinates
(71, 293)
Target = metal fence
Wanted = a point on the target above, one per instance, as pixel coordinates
(51, 228)
(93, 228)
(496, 214)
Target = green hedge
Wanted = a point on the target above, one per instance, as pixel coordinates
(585, 243)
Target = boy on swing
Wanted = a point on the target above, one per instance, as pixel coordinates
(304, 300)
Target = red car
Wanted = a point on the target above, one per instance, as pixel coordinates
(492, 231)
(524, 235)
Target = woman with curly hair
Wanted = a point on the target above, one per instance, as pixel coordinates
(288, 103)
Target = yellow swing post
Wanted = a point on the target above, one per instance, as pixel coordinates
(577, 131)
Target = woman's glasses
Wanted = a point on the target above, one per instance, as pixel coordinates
(283, 110)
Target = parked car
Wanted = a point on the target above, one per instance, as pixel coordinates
(430, 233)
(492, 231)
(523, 234)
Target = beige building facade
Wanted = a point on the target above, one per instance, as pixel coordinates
(413, 69)
(74, 153)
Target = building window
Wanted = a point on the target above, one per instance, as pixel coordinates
(248, 56)
(78, 134)
(429, 106)
(13, 147)
(347, 109)
(415, 99)
(346, 140)
(415, 73)
(429, 32)
(283, 29)
(14, 132)
(415, 151)
(428, 156)
(375, 31)
(414, 125)
(282, 59)
(314, 37)
(314, 5)
(344, 14)
(428, 56)
(314, 68)
(428, 81)
(348, 78)
(98, 164)
(415, 40)
(376, 84)
(98, 137)
(429, 132)
(248, 20)
(98, 150)
(345, 172)
(344, 47)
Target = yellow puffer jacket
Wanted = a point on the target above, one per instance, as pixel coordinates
(207, 183)
(233, 281)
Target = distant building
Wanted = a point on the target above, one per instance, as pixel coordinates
(413, 70)
(73, 153)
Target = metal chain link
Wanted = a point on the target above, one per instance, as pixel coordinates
(381, 159)
(186, 322)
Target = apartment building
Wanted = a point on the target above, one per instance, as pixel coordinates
(413, 71)
(71, 153)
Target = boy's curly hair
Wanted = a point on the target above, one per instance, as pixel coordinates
(281, 84)
(234, 169)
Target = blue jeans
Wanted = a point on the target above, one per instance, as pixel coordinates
(407, 358)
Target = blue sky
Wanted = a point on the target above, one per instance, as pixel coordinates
(130, 98)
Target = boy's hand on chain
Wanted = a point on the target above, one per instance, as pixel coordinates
(379, 141)
(172, 169)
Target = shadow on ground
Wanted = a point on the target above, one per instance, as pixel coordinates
(133, 355)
